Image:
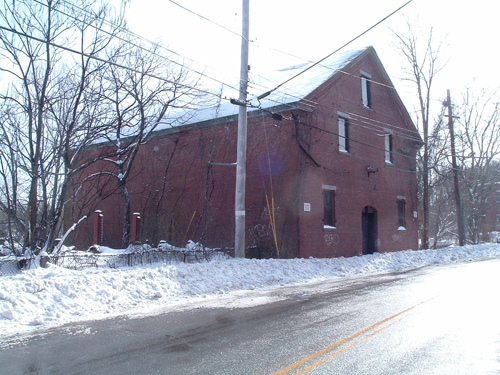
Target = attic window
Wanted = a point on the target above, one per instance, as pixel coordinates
(365, 90)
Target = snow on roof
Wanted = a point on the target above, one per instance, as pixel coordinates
(293, 86)
(299, 86)
(287, 85)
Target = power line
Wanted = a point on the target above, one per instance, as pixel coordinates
(407, 133)
(292, 55)
(350, 140)
(338, 49)
(155, 76)
(412, 135)
(382, 125)
(123, 29)
(279, 117)
(370, 123)
(106, 61)
(209, 20)
(393, 167)
(326, 67)
(183, 57)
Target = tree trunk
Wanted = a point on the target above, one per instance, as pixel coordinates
(126, 215)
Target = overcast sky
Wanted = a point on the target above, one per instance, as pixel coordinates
(313, 29)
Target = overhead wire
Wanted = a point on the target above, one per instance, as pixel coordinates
(155, 44)
(364, 122)
(211, 93)
(353, 141)
(106, 61)
(350, 139)
(308, 61)
(298, 95)
(295, 56)
(364, 119)
(343, 46)
(209, 20)
(381, 124)
(200, 90)
(407, 133)
(297, 121)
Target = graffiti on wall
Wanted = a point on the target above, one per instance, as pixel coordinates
(331, 239)
(260, 231)
(263, 230)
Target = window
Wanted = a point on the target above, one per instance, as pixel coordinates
(365, 90)
(388, 146)
(329, 206)
(401, 212)
(498, 220)
(343, 134)
(498, 196)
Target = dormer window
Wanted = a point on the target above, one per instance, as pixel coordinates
(365, 90)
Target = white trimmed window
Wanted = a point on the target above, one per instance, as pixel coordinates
(388, 146)
(343, 133)
(365, 89)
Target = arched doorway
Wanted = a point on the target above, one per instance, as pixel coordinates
(369, 228)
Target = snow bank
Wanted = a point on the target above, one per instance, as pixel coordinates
(42, 298)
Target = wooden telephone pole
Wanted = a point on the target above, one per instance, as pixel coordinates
(458, 201)
(239, 230)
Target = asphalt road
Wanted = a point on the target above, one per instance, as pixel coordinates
(434, 320)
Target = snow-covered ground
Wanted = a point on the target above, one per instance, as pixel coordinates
(48, 297)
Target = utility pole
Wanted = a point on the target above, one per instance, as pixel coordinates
(239, 204)
(458, 202)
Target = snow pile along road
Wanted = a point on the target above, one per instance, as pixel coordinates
(46, 297)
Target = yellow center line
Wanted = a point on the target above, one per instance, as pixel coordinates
(341, 342)
(340, 351)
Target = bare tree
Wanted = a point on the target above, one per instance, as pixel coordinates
(52, 51)
(141, 97)
(442, 220)
(478, 139)
(440, 191)
(9, 172)
(422, 69)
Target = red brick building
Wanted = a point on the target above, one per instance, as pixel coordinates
(333, 148)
